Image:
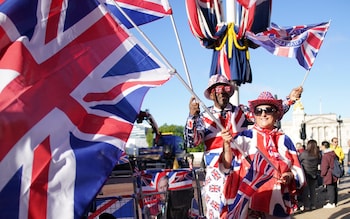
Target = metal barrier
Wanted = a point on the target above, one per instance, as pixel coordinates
(179, 199)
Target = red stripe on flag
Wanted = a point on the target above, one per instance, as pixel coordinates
(53, 20)
(283, 51)
(102, 208)
(4, 40)
(39, 184)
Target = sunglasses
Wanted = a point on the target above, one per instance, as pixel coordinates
(222, 89)
(267, 110)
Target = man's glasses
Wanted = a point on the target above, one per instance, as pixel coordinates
(222, 89)
(267, 110)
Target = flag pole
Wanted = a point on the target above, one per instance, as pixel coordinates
(305, 76)
(181, 51)
(144, 36)
(231, 8)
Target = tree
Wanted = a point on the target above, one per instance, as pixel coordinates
(174, 129)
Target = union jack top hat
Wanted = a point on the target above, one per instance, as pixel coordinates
(217, 80)
(266, 98)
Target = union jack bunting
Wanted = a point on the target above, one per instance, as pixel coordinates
(301, 42)
(259, 172)
(139, 11)
(71, 84)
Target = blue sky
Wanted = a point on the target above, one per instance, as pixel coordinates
(326, 88)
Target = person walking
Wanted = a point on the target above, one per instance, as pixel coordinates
(327, 164)
(267, 197)
(300, 148)
(201, 128)
(310, 159)
(348, 171)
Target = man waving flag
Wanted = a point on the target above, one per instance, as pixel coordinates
(71, 84)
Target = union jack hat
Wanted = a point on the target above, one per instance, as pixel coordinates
(266, 98)
(217, 80)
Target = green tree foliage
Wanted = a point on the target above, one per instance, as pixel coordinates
(174, 129)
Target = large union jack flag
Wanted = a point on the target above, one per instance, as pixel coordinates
(139, 11)
(301, 42)
(71, 84)
(259, 172)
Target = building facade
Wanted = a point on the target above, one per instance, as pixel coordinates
(319, 127)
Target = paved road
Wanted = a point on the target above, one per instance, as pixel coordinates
(342, 211)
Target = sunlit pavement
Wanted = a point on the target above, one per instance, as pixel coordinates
(342, 211)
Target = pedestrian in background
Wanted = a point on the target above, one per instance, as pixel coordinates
(310, 159)
(337, 149)
(327, 164)
(348, 171)
(300, 148)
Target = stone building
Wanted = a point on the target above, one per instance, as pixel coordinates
(319, 127)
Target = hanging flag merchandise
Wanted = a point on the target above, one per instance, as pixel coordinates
(301, 42)
(230, 54)
(71, 85)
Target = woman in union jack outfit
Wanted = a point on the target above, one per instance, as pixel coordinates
(200, 127)
(264, 187)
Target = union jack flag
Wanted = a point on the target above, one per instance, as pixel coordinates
(122, 207)
(178, 179)
(72, 82)
(301, 42)
(139, 11)
(214, 188)
(259, 172)
(215, 205)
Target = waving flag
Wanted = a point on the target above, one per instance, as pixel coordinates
(71, 85)
(140, 11)
(260, 171)
(301, 42)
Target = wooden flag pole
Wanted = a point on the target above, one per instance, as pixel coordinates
(305, 76)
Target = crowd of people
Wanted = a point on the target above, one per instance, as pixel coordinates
(260, 164)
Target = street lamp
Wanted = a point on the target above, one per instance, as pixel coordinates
(340, 121)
